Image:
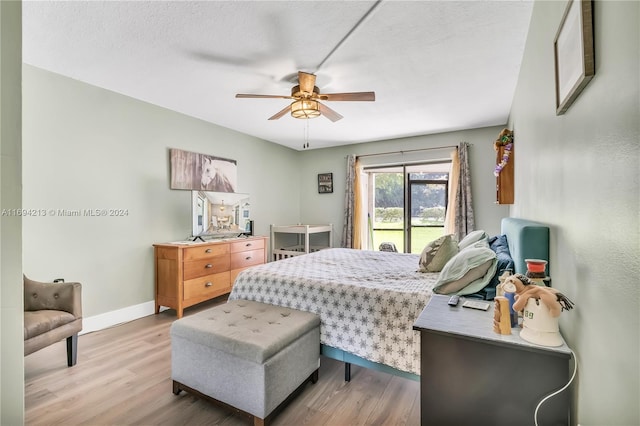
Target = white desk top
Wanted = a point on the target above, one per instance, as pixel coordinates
(473, 324)
(301, 229)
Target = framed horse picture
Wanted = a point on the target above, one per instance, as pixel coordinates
(194, 171)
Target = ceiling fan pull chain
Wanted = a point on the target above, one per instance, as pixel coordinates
(305, 144)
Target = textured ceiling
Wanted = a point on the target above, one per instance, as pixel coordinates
(435, 66)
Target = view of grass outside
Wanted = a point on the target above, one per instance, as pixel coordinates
(392, 233)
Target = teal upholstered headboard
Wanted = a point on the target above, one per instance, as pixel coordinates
(527, 240)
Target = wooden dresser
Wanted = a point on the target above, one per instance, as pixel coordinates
(190, 273)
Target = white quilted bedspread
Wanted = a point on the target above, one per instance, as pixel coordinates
(367, 300)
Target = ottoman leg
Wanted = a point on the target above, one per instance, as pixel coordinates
(176, 388)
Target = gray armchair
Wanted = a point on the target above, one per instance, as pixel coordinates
(52, 312)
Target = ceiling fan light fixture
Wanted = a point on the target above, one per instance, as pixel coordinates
(306, 96)
(305, 108)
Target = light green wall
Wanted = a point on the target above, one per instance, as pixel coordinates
(329, 208)
(579, 173)
(11, 301)
(89, 148)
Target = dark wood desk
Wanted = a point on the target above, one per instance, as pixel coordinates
(471, 375)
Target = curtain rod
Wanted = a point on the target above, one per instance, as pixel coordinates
(402, 152)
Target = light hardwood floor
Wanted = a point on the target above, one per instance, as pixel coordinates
(123, 377)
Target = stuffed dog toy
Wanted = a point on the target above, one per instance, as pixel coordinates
(525, 289)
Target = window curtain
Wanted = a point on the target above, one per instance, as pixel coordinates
(454, 178)
(464, 218)
(353, 222)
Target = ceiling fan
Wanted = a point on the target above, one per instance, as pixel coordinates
(306, 98)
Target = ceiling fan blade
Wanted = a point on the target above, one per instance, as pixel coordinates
(307, 81)
(329, 113)
(353, 96)
(244, 95)
(281, 113)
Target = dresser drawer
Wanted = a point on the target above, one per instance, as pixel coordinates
(210, 285)
(203, 252)
(200, 268)
(247, 245)
(247, 258)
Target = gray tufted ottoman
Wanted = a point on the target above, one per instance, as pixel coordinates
(247, 355)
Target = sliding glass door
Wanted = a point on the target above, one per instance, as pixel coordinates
(407, 205)
(386, 207)
(427, 204)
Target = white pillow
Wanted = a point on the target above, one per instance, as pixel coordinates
(472, 237)
(478, 244)
(467, 272)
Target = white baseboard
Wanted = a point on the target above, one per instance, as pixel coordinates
(109, 319)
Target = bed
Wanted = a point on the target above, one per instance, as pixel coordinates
(368, 300)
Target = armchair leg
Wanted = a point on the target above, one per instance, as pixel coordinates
(72, 350)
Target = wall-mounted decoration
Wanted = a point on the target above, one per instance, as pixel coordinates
(503, 170)
(325, 183)
(573, 52)
(201, 172)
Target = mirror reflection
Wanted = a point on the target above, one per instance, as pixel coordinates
(220, 213)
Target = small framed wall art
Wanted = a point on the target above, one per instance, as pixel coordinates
(325, 183)
(573, 53)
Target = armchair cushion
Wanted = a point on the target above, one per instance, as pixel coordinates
(40, 322)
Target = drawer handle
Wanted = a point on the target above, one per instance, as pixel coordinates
(209, 284)
(247, 258)
(208, 265)
(208, 250)
(248, 245)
